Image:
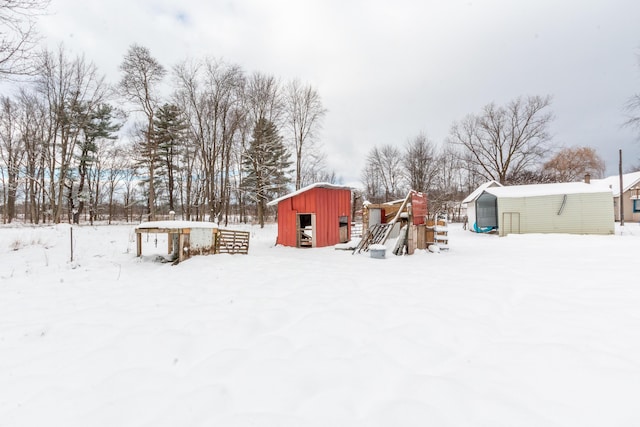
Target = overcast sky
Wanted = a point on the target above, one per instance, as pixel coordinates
(388, 70)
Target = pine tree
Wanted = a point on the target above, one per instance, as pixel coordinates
(169, 131)
(266, 163)
(97, 124)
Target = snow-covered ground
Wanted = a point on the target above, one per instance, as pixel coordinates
(525, 330)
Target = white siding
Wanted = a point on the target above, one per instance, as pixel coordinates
(471, 215)
(583, 213)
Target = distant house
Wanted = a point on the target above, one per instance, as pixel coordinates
(314, 216)
(475, 218)
(630, 194)
(576, 208)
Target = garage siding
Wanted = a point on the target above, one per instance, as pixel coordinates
(582, 213)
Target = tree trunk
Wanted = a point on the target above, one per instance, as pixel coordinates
(261, 212)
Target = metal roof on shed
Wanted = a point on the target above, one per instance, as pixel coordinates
(307, 188)
(536, 190)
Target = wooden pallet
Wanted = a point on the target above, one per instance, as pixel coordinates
(375, 235)
(232, 242)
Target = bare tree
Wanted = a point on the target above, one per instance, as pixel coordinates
(633, 109)
(370, 178)
(11, 154)
(210, 94)
(72, 89)
(18, 35)
(263, 97)
(314, 169)
(190, 96)
(304, 114)
(129, 183)
(420, 163)
(115, 165)
(384, 166)
(142, 74)
(572, 164)
(33, 128)
(506, 140)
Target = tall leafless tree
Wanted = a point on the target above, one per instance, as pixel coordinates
(115, 164)
(304, 114)
(210, 94)
(33, 128)
(449, 186)
(633, 109)
(18, 36)
(505, 140)
(370, 179)
(314, 168)
(384, 166)
(420, 163)
(72, 89)
(12, 152)
(141, 76)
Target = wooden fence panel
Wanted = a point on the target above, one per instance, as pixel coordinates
(232, 242)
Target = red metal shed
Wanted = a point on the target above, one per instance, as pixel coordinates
(314, 216)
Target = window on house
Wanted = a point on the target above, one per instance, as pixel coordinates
(636, 205)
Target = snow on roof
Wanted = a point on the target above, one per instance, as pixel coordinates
(177, 224)
(307, 188)
(547, 189)
(478, 191)
(629, 180)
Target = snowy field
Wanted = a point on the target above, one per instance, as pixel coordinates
(525, 330)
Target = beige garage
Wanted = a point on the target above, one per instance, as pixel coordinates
(575, 208)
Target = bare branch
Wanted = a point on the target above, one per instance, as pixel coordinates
(18, 35)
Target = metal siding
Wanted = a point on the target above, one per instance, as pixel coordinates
(286, 224)
(327, 204)
(583, 213)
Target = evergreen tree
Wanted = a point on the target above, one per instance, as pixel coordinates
(170, 134)
(266, 163)
(97, 124)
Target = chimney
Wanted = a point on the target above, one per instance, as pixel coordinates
(587, 178)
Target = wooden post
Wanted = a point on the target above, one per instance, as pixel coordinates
(621, 192)
(181, 255)
(412, 241)
(138, 244)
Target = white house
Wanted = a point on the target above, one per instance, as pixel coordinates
(630, 194)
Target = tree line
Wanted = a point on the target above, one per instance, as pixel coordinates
(219, 145)
(510, 144)
(221, 141)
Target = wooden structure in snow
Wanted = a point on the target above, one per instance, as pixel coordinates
(405, 220)
(314, 216)
(188, 238)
